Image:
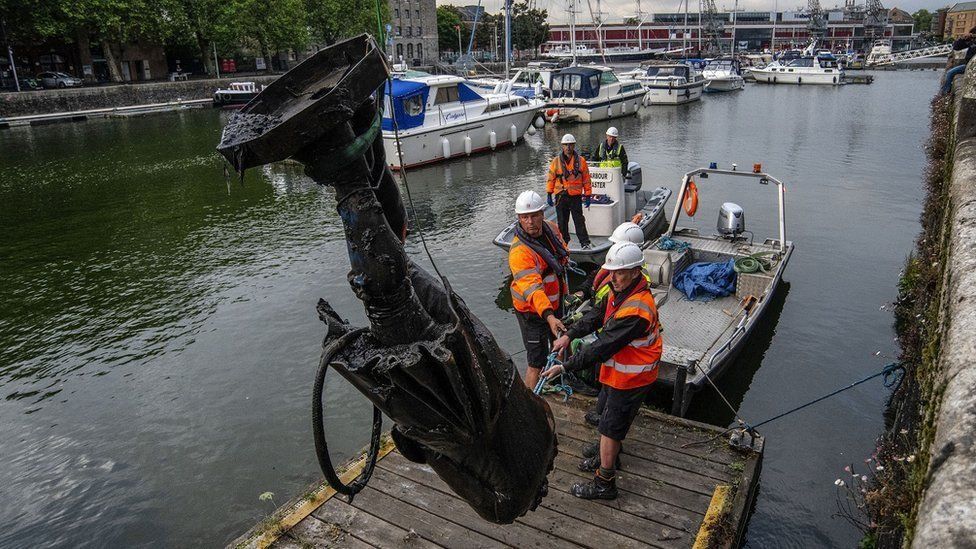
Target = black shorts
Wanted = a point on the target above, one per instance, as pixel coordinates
(537, 338)
(620, 408)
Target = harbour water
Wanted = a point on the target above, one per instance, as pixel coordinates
(158, 335)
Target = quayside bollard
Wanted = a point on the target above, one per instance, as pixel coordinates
(425, 361)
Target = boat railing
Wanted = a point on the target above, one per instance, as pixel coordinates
(757, 173)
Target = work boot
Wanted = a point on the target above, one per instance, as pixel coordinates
(591, 464)
(580, 387)
(593, 418)
(591, 449)
(586, 246)
(598, 488)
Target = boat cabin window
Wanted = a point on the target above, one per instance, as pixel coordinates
(528, 77)
(567, 82)
(667, 71)
(607, 77)
(595, 83)
(801, 62)
(447, 94)
(413, 105)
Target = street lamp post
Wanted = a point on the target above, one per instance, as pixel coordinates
(458, 29)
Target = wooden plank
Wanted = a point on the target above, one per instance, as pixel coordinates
(312, 531)
(544, 519)
(747, 486)
(710, 534)
(637, 446)
(638, 465)
(660, 512)
(389, 478)
(654, 489)
(368, 528)
(656, 433)
(674, 425)
(591, 514)
(402, 513)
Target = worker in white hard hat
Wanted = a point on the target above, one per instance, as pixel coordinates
(627, 348)
(611, 153)
(537, 259)
(569, 181)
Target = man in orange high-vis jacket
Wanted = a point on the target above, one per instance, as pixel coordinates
(628, 348)
(537, 259)
(569, 180)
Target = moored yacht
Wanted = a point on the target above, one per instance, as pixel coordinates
(722, 75)
(432, 118)
(805, 69)
(526, 82)
(591, 94)
(670, 84)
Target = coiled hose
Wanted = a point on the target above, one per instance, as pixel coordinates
(762, 261)
(318, 428)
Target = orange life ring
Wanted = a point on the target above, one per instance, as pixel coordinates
(690, 201)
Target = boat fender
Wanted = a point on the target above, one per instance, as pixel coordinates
(540, 122)
(513, 133)
(799, 80)
(467, 145)
(446, 148)
(623, 108)
(531, 130)
(492, 140)
(835, 80)
(690, 201)
(774, 80)
(609, 111)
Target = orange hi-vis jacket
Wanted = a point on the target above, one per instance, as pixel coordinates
(636, 364)
(572, 177)
(535, 288)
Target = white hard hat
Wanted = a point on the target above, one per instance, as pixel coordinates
(529, 202)
(568, 138)
(624, 255)
(612, 131)
(627, 232)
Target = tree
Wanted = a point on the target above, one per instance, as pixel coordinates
(484, 34)
(923, 20)
(448, 20)
(529, 27)
(333, 20)
(272, 25)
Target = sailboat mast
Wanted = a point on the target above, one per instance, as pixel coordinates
(772, 41)
(735, 19)
(572, 29)
(508, 38)
(684, 33)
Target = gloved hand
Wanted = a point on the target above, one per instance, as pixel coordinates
(586, 202)
(549, 199)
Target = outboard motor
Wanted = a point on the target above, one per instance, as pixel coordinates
(731, 220)
(634, 178)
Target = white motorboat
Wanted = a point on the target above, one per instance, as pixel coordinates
(237, 94)
(591, 94)
(702, 337)
(527, 82)
(442, 117)
(670, 84)
(623, 200)
(803, 69)
(722, 75)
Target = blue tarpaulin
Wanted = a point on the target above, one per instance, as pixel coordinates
(706, 281)
(408, 99)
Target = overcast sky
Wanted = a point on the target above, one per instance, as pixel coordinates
(617, 10)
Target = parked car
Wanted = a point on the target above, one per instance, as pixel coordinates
(58, 80)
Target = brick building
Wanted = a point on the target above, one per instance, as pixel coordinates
(413, 32)
(959, 19)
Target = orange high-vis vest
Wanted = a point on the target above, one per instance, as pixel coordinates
(636, 364)
(573, 177)
(535, 287)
